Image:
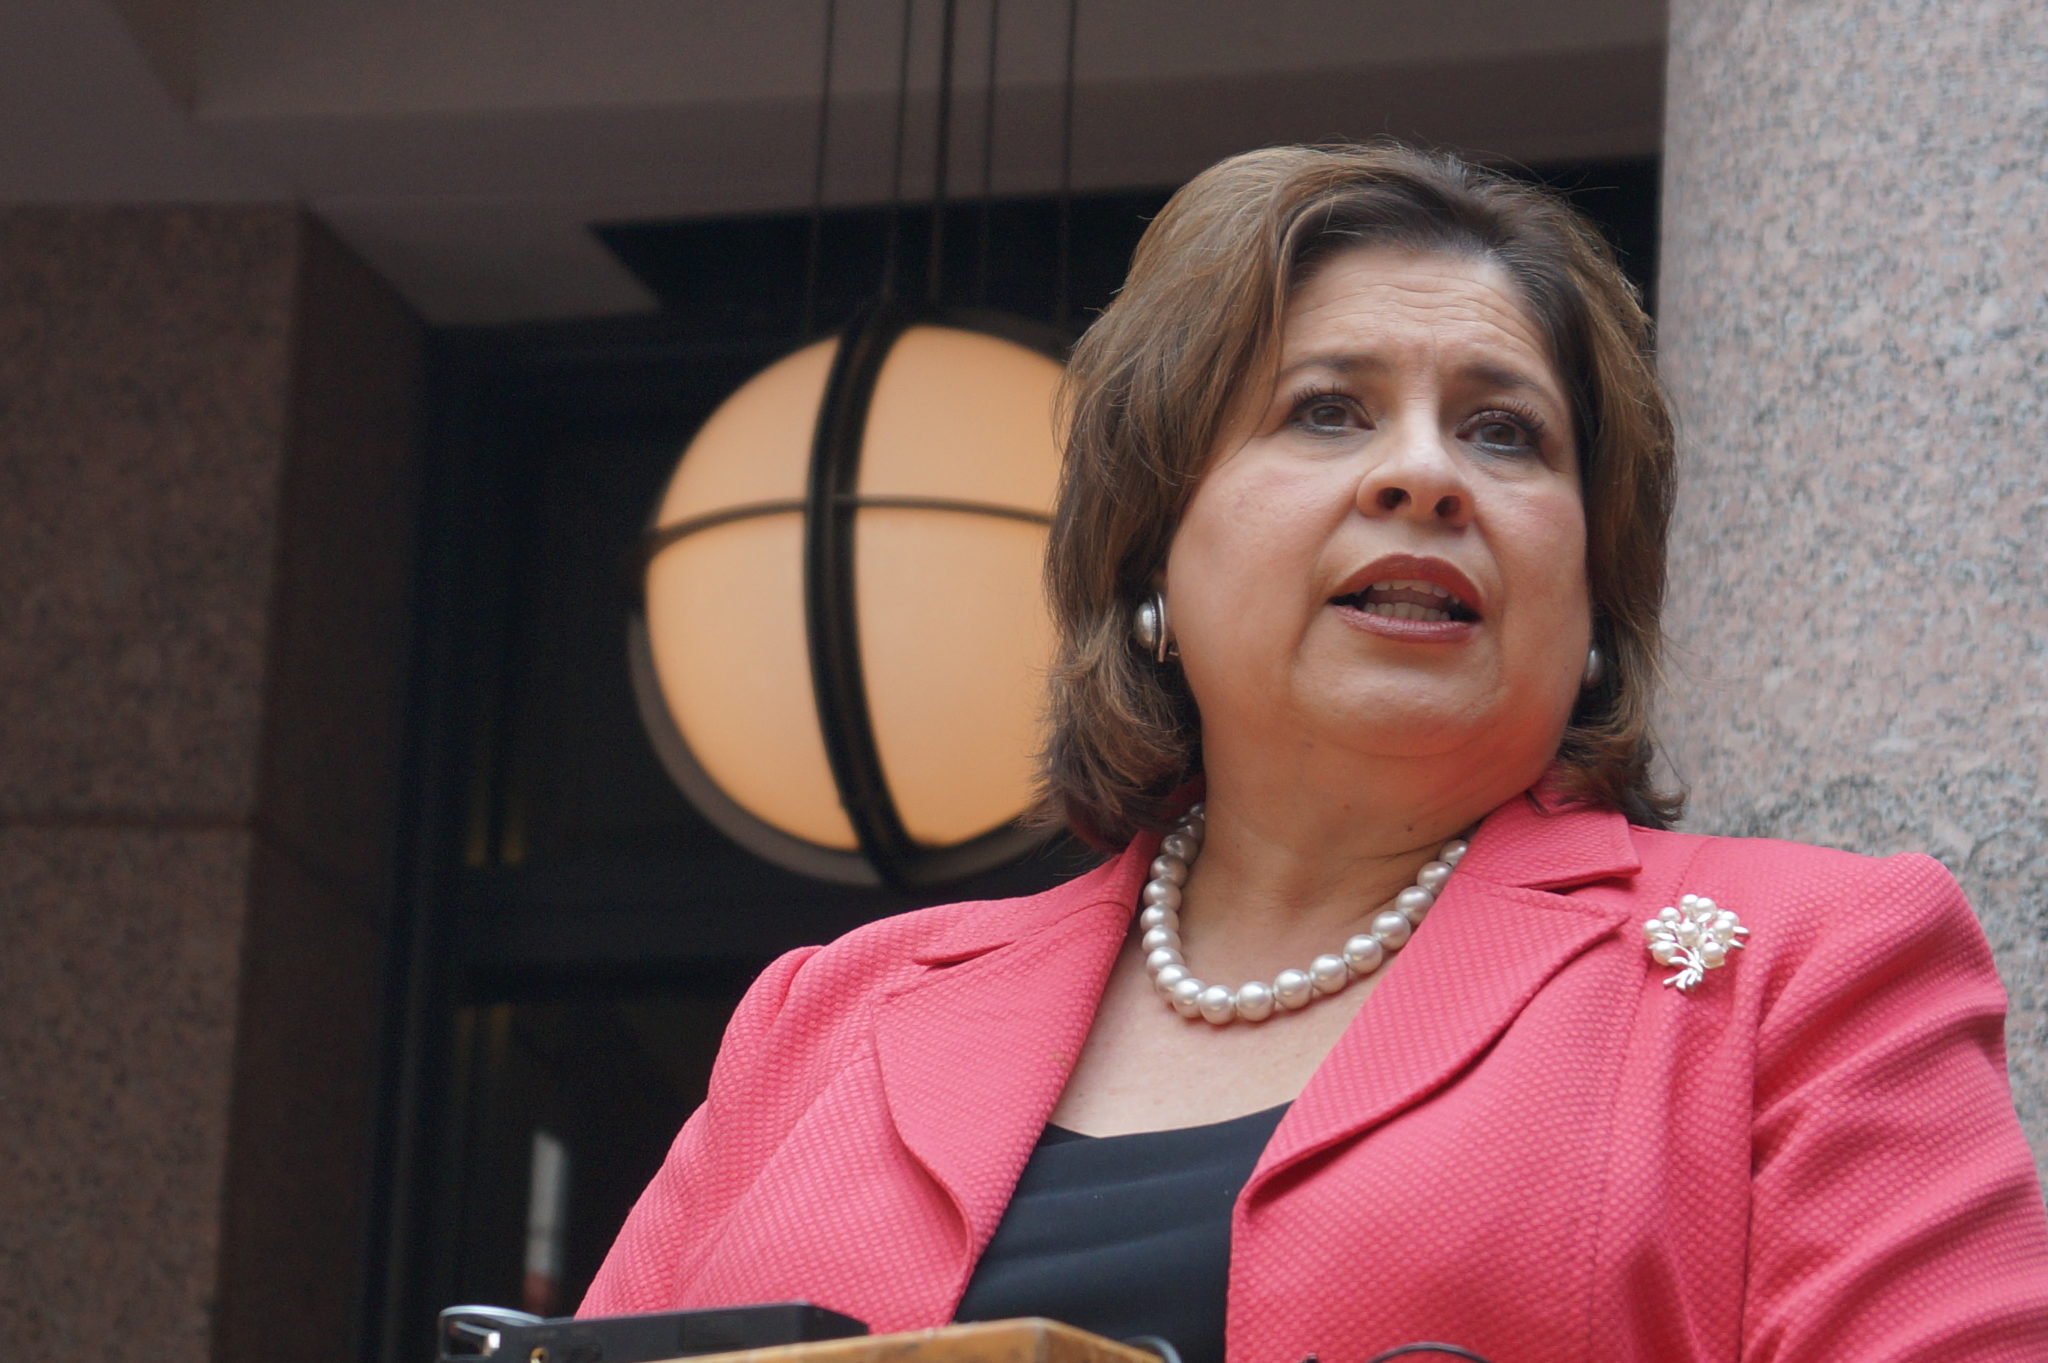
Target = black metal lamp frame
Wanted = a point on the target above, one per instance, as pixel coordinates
(887, 854)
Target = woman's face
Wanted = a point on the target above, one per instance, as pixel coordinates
(1388, 550)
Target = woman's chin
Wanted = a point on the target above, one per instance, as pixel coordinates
(1407, 722)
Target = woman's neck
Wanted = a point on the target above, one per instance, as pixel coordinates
(1299, 855)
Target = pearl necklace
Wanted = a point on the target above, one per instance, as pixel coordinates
(1256, 1000)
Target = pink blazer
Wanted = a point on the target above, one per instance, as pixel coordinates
(1525, 1144)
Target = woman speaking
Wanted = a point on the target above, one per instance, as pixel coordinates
(1401, 1014)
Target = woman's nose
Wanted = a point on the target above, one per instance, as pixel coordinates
(1414, 474)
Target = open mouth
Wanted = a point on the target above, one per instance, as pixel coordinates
(1408, 599)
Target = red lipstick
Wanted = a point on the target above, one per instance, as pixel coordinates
(1412, 598)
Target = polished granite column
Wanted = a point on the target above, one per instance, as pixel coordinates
(207, 452)
(1854, 326)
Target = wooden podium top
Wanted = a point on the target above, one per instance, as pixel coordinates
(996, 1341)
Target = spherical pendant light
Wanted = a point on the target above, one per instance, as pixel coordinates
(844, 638)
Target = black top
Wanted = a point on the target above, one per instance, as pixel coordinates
(1124, 1235)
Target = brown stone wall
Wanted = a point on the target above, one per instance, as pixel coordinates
(206, 464)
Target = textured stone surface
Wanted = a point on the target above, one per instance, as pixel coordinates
(144, 364)
(1854, 317)
(118, 952)
(336, 670)
(207, 466)
(293, 1212)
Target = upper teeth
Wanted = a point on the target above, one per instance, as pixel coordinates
(1404, 610)
(1405, 584)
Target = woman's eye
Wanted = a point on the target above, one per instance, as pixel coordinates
(1326, 414)
(1502, 433)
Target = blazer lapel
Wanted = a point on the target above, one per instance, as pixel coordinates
(973, 1056)
(1496, 936)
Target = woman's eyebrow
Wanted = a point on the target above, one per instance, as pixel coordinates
(1478, 372)
(1343, 362)
(1507, 379)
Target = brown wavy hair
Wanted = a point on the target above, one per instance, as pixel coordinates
(1142, 409)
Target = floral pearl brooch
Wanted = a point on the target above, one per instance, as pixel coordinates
(1696, 936)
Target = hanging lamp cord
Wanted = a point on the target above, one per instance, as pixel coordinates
(988, 152)
(815, 250)
(935, 262)
(1062, 299)
(896, 160)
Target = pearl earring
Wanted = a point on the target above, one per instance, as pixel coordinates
(1149, 628)
(1596, 669)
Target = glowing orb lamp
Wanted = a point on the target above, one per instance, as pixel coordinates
(844, 640)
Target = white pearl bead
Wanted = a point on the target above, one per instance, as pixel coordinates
(1664, 953)
(1293, 988)
(1653, 929)
(1392, 928)
(1197, 809)
(1713, 954)
(1364, 954)
(1163, 894)
(1329, 973)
